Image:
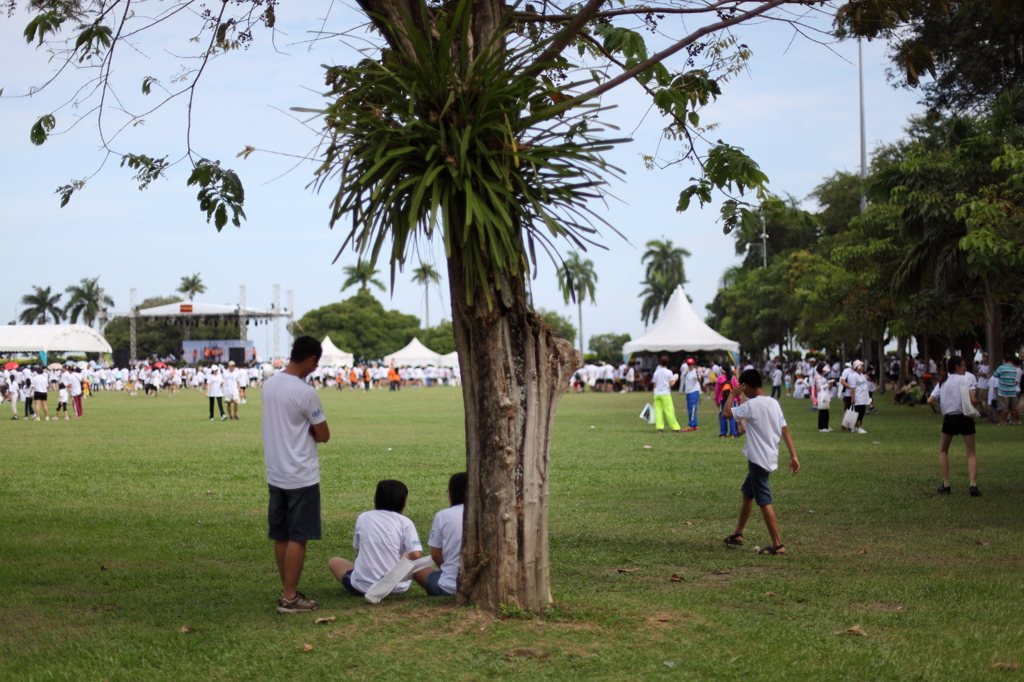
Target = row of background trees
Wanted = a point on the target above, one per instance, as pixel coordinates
(936, 254)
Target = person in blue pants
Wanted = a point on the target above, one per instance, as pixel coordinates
(691, 386)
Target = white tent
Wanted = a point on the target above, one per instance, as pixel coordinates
(678, 329)
(49, 338)
(450, 360)
(334, 356)
(415, 354)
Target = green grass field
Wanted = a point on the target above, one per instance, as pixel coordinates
(144, 518)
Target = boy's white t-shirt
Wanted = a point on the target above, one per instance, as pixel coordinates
(691, 382)
(290, 407)
(662, 380)
(764, 420)
(446, 535)
(381, 538)
(215, 386)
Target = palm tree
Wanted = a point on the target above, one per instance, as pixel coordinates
(576, 279)
(425, 274)
(665, 273)
(85, 301)
(362, 273)
(190, 286)
(41, 303)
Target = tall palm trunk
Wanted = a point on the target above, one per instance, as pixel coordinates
(514, 371)
(579, 302)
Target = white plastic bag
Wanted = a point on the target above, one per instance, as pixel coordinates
(400, 572)
(824, 398)
(850, 419)
(966, 403)
(647, 414)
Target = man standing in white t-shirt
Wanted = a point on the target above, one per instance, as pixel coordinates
(293, 424)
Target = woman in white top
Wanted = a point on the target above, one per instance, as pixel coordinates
(954, 421)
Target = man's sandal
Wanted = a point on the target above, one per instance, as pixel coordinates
(734, 540)
(772, 550)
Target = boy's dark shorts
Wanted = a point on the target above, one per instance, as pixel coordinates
(756, 485)
(346, 582)
(294, 514)
(958, 425)
(433, 588)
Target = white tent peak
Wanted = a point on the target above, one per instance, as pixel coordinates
(679, 329)
(334, 356)
(414, 354)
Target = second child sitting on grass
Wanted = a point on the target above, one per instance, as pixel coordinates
(382, 537)
(765, 426)
(446, 542)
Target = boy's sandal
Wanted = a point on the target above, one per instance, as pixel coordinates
(736, 539)
(772, 550)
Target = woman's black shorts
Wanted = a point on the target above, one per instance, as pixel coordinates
(958, 425)
(39, 395)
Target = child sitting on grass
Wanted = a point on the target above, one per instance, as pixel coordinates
(382, 537)
(765, 425)
(446, 542)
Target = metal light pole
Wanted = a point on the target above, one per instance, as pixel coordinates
(764, 244)
(131, 327)
(277, 321)
(863, 137)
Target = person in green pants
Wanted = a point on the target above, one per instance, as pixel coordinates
(663, 381)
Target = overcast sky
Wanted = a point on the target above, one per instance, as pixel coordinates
(795, 112)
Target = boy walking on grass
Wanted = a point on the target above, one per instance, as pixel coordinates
(765, 426)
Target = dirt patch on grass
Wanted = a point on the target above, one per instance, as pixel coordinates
(662, 619)
(885, 607)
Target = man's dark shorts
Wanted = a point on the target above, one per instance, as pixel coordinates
(756, 485)
(294, 514)
(958, 425)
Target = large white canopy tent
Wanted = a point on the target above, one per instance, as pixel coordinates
(679, 329)
(415, 354)
(334, 356)
(51, 338)
(450, 360)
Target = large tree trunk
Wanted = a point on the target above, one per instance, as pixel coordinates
(993, 329)
(513, 373)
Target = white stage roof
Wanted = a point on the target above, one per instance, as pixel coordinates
(49, 338)
(193, 309)
(680, 329)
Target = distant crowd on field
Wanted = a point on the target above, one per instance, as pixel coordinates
(223, 383)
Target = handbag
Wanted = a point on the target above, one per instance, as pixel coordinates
(850, 419)
(824, 398)
(647, 414)
(966, 403)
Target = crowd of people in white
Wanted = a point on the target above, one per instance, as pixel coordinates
(32, 385)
